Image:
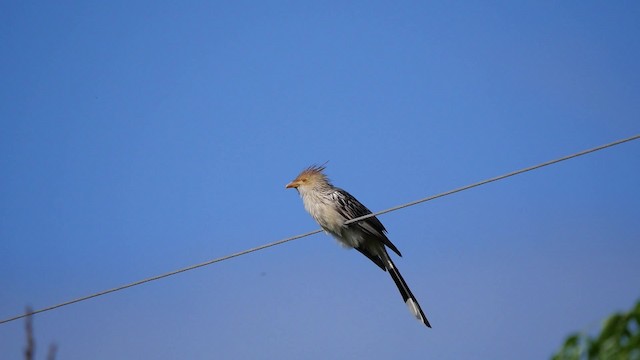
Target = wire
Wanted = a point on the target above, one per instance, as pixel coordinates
(517, 172)
(227, 257)
(153, 278)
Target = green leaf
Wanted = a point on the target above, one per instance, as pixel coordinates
(619, 338)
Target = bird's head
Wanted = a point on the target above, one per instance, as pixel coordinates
(309, 178)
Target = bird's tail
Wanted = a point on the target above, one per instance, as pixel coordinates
(406, 293)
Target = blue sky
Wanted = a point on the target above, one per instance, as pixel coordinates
(138, 138)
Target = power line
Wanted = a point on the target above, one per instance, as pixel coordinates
(517, 172)
(227, 257)
(158, 277)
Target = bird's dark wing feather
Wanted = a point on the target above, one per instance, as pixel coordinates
(375, 258)
(351, 208)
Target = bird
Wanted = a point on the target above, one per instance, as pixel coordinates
(331, 207)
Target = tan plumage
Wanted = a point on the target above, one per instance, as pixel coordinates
(331, 207)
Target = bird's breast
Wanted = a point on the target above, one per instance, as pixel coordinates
(325, 215)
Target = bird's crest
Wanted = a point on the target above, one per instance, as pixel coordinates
(315, 169)
(314, 173)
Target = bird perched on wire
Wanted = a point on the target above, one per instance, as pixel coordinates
(331, 207)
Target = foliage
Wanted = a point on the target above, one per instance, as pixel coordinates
(618, 339)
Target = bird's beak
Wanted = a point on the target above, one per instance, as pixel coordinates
(292, 184)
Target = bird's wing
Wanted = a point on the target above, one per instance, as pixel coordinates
(375, 258)
(349, 207)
